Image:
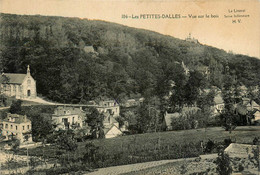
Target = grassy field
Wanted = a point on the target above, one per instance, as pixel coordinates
(155, 146)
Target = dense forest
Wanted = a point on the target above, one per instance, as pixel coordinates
(76, 60)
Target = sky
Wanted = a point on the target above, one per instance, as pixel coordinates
(239, 33)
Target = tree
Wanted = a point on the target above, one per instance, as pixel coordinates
(41, 127)
(91, 153)
(95, 121)
(228, 116)
(148, 115)
(195, 82)
(66, 142)
(16, 107)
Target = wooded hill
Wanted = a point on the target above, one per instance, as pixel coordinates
(75, 60)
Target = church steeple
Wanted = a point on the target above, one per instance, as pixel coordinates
(28, 70)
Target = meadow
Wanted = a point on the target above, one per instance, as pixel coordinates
(151, 146)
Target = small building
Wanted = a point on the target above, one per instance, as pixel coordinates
(110, 120)
(219, 105)
(111, 126)
(68, 117)
(168, 119)
(240, 150)
(256, 117)
(250, 104)
(191, 39)
(110, 106)
(17, 126)
(186, 69)
(131, 103)
(20, 86)
(111, 131)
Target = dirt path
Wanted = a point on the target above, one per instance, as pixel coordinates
(133, 167)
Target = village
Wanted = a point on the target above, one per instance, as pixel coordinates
(73, 116)
(18, 128)
(94, 95)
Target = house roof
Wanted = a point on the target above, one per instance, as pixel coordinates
(112, 119)
(189, 109)
(12, 78)
(109, 127)
(16, 118)
(169, 116)
(67, 110)
(241, 109)
(257, 112)
(218, 99)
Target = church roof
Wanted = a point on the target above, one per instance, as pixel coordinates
(12, 78)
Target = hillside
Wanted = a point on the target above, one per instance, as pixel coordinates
(75, 60)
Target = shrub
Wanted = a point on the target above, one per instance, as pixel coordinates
(223, 164)
(209, 146)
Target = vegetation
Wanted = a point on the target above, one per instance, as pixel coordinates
(95, 121)
(76, 60)
(16, 107)
(223, 164)
(145, 147)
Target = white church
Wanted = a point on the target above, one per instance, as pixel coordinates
(20, 86)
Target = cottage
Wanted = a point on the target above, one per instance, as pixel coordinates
(68, 117)
(250, 104)
(111, 126)
(219, 105)
(112, 131)
(256, 117)
(17, 126)
(168, 119)
(21, 86)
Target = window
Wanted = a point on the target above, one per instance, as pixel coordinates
(6, 126)
(23, 127)
(11, 126)
(28, 126)
(16, 127)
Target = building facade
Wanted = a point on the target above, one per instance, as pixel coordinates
(68, 117)
(110, 106)
(20, 86)
(17, 126)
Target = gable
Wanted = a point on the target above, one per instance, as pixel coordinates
(112, 132)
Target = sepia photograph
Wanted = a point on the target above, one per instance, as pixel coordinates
(129, 87)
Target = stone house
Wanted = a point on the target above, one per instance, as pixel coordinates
(68, 117)
(111, 126)
(110, 106)
(20, 86)
(17, 126)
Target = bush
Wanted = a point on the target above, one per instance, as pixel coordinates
(209, 146)
(223, 164)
